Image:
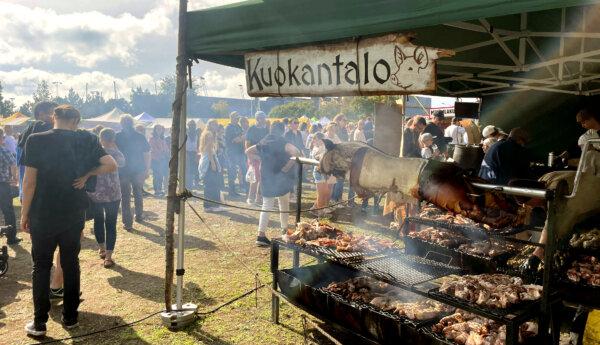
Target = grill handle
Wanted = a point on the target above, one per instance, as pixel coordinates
(440, 254)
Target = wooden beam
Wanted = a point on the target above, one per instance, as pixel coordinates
(178, 116)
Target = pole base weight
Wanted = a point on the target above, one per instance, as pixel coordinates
(176, 319)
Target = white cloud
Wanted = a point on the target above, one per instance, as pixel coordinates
(21, 83)
(38, 35)
(219, 85)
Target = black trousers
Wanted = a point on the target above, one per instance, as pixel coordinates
(44, 241)
(8, 211)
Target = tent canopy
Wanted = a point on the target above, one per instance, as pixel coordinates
(501, 45)
(15, 119)
(113, 116)
(144, 117)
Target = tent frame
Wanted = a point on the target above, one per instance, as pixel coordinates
(562, 76)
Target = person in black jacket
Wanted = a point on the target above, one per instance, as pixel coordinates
(507, 159)
(59, 163)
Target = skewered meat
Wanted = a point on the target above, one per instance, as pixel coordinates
(324, 235)
(587, 240)
(491, 290)
(446, 238)
(388, 298)
(443, 184)
(585, 270)
(469, 329)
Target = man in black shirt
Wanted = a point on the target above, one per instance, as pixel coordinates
(58, 165)
(234, 147)
(293, 135)
(436, 130)
(136, 150)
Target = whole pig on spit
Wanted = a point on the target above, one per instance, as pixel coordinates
(443, 184)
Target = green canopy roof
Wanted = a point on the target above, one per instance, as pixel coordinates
(494, 39)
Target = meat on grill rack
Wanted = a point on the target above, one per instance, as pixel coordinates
(388, 298)
(445, 238)
(585, 270)
(491, 290)
(491, 249)
(586, 240)
(432, 212)
(324, 235)
(466, 328)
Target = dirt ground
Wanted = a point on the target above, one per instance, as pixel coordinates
(134, 288)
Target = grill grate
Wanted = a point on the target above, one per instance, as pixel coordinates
(331, 253)
(405, 269)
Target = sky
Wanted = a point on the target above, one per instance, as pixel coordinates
(97, 42)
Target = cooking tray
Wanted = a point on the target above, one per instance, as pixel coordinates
(580, 293)
(499, 314)
(471, 231)
(405, 270)
(469, 262)
(303, 286)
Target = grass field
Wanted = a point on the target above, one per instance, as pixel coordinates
(134, 288)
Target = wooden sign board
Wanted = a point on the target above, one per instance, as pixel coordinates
(387, 65)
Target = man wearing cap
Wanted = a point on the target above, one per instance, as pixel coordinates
(435, 129)
(234, 147)
(507, 159)
(255, 134)
(494, 132)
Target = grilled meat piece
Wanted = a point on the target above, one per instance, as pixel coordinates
(587, 240)
(585, 270)
(489, 249)
(446, 238)
(491, 290)
(469, 329)
(322, 234)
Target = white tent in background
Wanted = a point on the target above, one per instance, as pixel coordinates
(167, 122)
(110, 119)
(144, 117)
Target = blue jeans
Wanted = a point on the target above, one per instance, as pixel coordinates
(338, 190)
(212, 187)
(105, 222)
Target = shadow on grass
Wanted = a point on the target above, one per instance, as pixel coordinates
(203, 337)
(151, 287)
(9, 289)
(159, 237)
(93, 322)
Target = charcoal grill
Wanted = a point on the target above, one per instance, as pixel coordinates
(422, 280)
(330, 253)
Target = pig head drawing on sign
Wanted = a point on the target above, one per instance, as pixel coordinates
(408, 65)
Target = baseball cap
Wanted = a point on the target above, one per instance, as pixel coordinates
(426, 136)
(489, 130)
(260, 114)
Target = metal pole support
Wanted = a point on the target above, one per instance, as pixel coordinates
(274, 269)
(299, 191)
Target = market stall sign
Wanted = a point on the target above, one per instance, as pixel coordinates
(372, 66)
